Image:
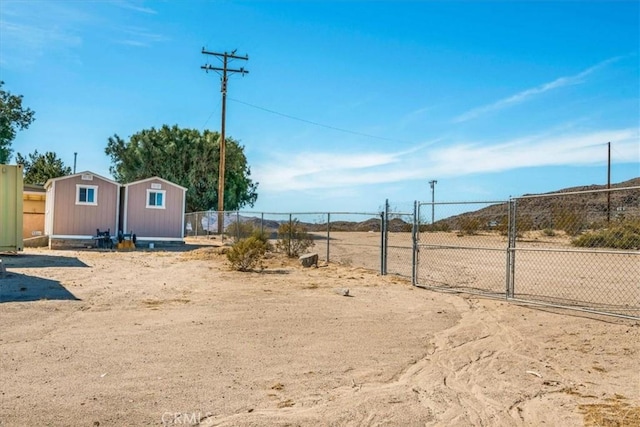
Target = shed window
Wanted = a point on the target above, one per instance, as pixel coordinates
(86, 195)
(156, 199)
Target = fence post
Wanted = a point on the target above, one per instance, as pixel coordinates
(262, 223)
(511, 249)
(382, 243)
(328, 234)
(414, 237)
(195, 224)
(237, 226)
(290, 235)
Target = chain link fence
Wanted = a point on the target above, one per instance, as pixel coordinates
(457, 251)
(573, 249)
(349, 238)
(397, 244)
(578, 249)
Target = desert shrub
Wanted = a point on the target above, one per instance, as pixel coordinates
(438, 226)
(262, 236)
(524, 223)
(569, 221)
(503, 225)
(623, 235)
(240, 230)
(469, 226)
(549, 232)
(245, 254)
(293, 238)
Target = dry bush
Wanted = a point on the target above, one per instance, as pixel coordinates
(469, 226)
(621, 235)
(293, 238)
(569, 221)
(245, 254)
(240, 230)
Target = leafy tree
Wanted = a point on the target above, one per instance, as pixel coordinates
(13, 117)
(38, 168)
(188, 158)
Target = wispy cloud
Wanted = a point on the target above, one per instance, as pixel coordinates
(60, 28)
(137, 8)
(25, 36)
(35, 38)
(139, 37)
(325, 171)
(537, 151)
(523, 96)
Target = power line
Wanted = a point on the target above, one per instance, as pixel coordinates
(207, 121)
(316, 123)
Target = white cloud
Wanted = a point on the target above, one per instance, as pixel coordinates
(316, 171)
(131, 6)
(139, 37)
(528, 93)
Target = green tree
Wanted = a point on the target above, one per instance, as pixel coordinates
(38, 168)
(188, 158)
(13, 117)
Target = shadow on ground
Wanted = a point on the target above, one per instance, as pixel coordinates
(21, 287)
(23, 260)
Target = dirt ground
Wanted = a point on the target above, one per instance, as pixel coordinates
(174, 337)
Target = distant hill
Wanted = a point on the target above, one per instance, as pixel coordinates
(540, 211)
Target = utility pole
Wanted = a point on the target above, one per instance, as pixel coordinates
(75, 157)
(224, 71)
(433, 183)
(608, 182)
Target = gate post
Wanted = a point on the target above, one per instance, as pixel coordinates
(328, 233)
(415, 237)
(511, 248)
(383, 238)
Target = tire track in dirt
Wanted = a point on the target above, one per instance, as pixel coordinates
(465, 378)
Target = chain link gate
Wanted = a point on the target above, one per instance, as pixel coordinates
(458, 253)
(559, 249)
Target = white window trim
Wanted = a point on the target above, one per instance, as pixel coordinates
(95, 195)
(164, 199)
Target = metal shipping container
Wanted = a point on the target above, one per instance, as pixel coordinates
(11, 208)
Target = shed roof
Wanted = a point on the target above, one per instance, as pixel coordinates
(50, 181)
(155, 178)
(33, 188)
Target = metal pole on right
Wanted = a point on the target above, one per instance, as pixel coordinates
(608, 182)
(433, 183)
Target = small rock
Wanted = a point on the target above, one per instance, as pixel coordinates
(342, 291)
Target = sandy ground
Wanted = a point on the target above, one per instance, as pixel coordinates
(99, 338)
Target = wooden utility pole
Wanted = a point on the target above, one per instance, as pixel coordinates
(224, 71)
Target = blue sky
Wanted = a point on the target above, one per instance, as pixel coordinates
(346, 103)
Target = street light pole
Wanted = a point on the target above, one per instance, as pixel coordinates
(433, 183)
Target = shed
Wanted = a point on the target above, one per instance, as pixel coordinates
(11, 179)
(153, 210)
(78, 205)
